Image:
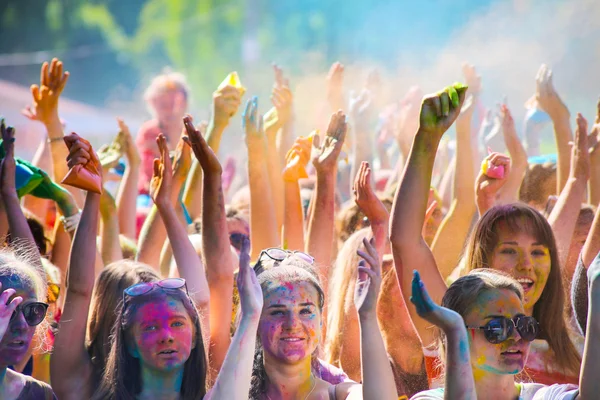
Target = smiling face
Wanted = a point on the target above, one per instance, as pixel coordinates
(18, 336)
(522, 256)
(507, 357)
(290, 324)
(162, 335)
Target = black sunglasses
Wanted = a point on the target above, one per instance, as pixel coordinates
(34, 312)
(499, 329)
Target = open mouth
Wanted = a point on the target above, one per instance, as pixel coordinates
(168, 352)
(291, 339)
(513, 353)
(526, 283)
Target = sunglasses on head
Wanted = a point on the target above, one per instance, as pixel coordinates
(34, 312)
(146, 287)
(499, 329)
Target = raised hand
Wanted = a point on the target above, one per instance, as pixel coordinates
(110, 154)
(7, 309)
(365, 196)
(368, 280)
(130, 149)
(251, 296)
(546, 95)
(297, 158)
(324, 157)
(580, 157)
(335, 81)
(472, 79)
(85, 171)
(511, 139)
(226, 102)
(46, 94)
(495, 168)
(204, 154)
(160, 185)
(439, 110)
(253, 122)
(594, 139)
(444, 318)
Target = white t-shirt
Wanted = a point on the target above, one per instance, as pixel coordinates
(529, 391)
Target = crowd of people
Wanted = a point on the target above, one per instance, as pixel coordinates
(380, 258)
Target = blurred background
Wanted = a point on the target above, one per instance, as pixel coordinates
(113, 48)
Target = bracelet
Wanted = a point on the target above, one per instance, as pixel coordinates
(71, 223)
(56, 139)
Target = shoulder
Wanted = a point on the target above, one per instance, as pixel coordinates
(35, 389)
(533, 391)
(148, 131)
(433, 394)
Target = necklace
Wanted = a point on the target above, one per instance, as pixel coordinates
(309, 393)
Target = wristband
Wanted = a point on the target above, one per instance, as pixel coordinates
(56, 139)
(71, 223)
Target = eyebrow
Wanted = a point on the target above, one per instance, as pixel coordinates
(516, 244)
(283, 306)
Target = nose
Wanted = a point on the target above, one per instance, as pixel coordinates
(167, 336)
(17, 322)
(525, 261)
(290, 321)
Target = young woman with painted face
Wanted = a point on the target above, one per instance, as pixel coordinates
(289, 333)
(487, 335)
(512, 238)
(23, 289)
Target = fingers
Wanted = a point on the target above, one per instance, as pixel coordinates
(370, 256)
(35, 92)
(445, 103)
(430, 210)
(581, 133)
(165, 158)
(365, 273)
(44, 74)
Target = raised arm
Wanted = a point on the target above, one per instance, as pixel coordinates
(189, 265)
(20, 233)
(215, 247)
(589, 385)
(70, 366)
(295, 169)
(594, 144)
(233, 381)
(377, 376)
(128, 191)
(110, 245)
(551, 103)
(275, 119)
(409, 249)
(226, 102)
(263, 222)
(459, 382)
(518, 158)
(452, 233)
(45, 106)
(361, 107)
(154, 233)
(563, 217)
(320, 236)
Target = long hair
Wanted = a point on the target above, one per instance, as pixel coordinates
(107, 295)
(549, 310)
(122, 378)
(293, 270)
(342, 282)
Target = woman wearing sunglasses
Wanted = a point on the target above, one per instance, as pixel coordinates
(21, 313)
(486, 338)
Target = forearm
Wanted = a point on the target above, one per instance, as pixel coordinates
(589, 385)
(320, 235)
(285, 139)
(450, 238)
(109, 233)
(563, 135)
(293, 224)
(263, 224)
(564, 217)
(19, 229)
(510, 191)
(274, 169)
(233, 381)
(219, 262)
(193, 191)
(459, 382)
(152, 236)
(188, 262)
(83, 251)
(127, 201)
(591, 247)
(377, 376)
(594, 184)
